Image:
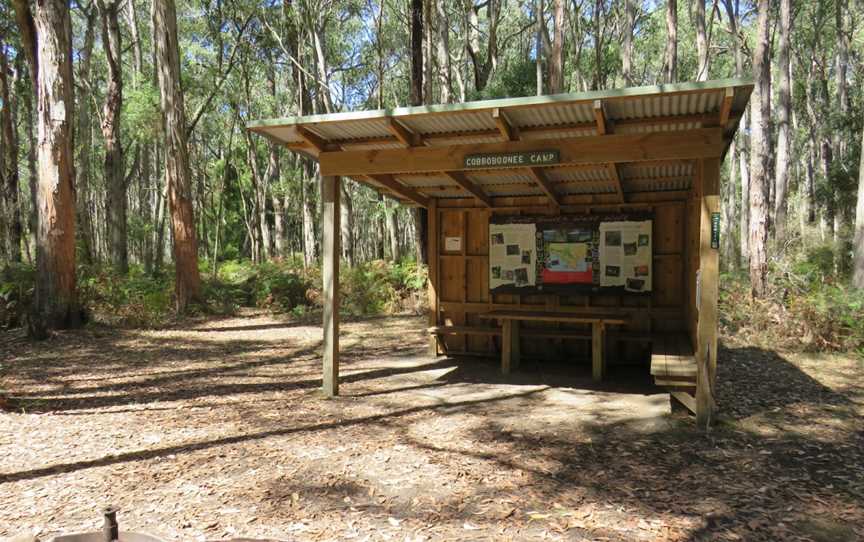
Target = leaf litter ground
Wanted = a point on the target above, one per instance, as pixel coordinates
(219, 430)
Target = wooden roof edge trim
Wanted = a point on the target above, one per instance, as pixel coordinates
(745, 84)
(571, 202)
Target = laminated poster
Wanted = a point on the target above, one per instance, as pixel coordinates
(512, 255)
(625, 255)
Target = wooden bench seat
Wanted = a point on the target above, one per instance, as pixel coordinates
(672, 358)
(464, 330)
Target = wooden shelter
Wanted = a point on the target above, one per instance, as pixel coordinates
(652, 152)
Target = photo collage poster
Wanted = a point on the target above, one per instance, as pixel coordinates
(512, 255)
(625, 255)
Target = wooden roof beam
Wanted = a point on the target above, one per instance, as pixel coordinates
(401, 190)
(678, 145)
(313, 139)
(542, 180)
(462, 180)
(508, 131)
(616, 179)
(600, 118)
(403, 134)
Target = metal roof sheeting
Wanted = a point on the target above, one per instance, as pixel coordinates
(640, 110)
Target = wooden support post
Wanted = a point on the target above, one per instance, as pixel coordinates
(433, 255)
(330, 241)
(597, 368)
(708, 180)
(510, 346)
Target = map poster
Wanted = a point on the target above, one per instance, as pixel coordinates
(568, 259)
(512, 255)
(626, 255)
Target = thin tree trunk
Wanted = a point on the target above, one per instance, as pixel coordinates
(702, 44)
(784, 129)
(556, 52)
(538, 44)
(416, 52)
(346, 209)
(858, 242)
(46, 36)
(759, 155)
(9, 164)
(177, 174)
(445, 70)
(627, 42)
(670, 57)
(116, 205)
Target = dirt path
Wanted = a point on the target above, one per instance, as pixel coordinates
(220, 431)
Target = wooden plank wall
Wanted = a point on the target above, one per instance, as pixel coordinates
(463, 284)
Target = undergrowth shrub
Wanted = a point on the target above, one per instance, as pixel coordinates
(809, 304)
(16, 293)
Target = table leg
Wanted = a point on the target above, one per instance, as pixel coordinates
(506, 346)
(597, 368)
(510, 353)
(515, 347)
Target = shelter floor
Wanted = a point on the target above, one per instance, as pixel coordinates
(219, 430)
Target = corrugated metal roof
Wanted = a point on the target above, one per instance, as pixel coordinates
(640, 110)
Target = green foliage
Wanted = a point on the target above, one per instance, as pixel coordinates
(135, 300)
(141, 115)
(809, 305)
(16, 293)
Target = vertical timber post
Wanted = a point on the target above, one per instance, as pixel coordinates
(330, 241)
(708, 173)
(432, 233)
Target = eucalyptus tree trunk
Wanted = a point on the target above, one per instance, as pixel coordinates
(347, 223)
(46, 36)
(858, 243)
(177, 174)
(538, 45)
(417, 98)
(393, 233)
(556, 49)
(445, 69)
(627, 42)
(483, 64)
(83, 136)
(670, 56)
(702, 52)
(9, 165)
(759, 180)
(784, 128)
(116, 204)
(741, 146)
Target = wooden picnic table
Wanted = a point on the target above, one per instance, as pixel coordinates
(510, 319)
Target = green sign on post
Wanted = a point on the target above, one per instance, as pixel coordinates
(512, 159)
(715, 230)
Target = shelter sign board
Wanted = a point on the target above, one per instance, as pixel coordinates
(512, 159)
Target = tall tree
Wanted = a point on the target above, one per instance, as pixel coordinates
(702, 41)
(858, 242)
(177, 175)
(627, 42)
(9, 164)
(417, 19)
(670, 56)
(46, 37)
(116, 205)
(759, 127)
(784, 115)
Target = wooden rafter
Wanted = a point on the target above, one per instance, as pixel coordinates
(507, 130)
(543, 181)
(390, 182)
(403, 134)
(726, 107)
(600, 118)
(616, 180)
(313, 139)
(462, 180)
